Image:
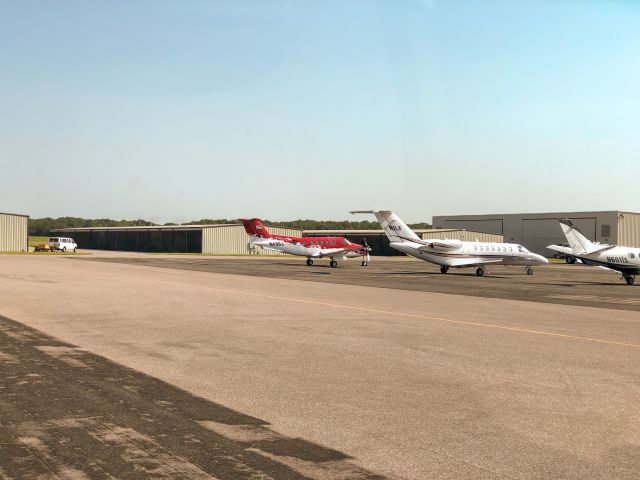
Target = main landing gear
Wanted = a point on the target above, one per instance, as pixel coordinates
(480, 271)
(444, 269)
(629, 279)
(365, 252)
(529, 270)
(309, 262)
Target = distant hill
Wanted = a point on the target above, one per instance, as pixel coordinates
(42, 226)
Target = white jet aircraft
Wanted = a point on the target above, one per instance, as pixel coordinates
(625, 260)
(454, 253)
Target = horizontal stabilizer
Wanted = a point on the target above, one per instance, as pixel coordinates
(602, 248)
(397, 231)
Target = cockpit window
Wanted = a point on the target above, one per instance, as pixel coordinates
(521, 249)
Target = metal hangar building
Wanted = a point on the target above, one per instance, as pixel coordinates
(230, 239)
(14, 235)
(537, 230)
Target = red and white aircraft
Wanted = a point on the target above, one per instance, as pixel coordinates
(310, 247)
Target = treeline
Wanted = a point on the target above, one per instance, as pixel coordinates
(42, 226)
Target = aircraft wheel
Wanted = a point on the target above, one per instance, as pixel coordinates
(479, 272)
(364, 263)
(309, 262)
(570, 259)
(444, 269)
(630, 279)
(333, 264)
(529, 271)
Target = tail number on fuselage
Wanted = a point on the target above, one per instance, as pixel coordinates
(617, 260)
(276, 243)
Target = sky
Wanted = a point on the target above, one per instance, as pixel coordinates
(284, 109)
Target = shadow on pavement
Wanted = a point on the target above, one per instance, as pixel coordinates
(68, 413)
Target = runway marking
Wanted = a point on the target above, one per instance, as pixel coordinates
(423, 317)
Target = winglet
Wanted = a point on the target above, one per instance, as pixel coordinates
(567, 222)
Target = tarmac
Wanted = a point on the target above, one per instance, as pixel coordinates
(137, 366)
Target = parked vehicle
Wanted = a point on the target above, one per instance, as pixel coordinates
(62, 244)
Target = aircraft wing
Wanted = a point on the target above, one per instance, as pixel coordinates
(430, 245)
(334, 251)
(560, 248)
(472, 261)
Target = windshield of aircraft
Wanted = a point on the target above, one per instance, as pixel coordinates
(522, 249)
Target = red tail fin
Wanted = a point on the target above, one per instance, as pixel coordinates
(254, 226)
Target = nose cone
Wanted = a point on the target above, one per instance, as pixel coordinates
(539, 259)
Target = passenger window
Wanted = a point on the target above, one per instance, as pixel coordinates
(492, 249)
(631, 255)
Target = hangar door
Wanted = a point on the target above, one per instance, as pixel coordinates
(480, 225)
(538, 233)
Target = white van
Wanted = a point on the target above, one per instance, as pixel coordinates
(62, 244)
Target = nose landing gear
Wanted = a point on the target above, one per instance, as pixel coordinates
(309, 262)
(529, 270)
(333, 264)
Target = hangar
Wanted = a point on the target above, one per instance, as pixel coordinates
(14, 235)
(231, 239)
(537, 230)
(228, 239)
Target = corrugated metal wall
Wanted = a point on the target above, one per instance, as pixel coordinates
(13, 233)
(628, 230)
(233, 240)
(465, 235)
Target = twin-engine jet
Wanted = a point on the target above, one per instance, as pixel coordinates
(310, 247)
(454, 253)
(613, 257)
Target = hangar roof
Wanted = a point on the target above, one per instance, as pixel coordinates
(14, 214)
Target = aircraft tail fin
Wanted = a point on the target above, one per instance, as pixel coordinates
(578, 242)
(393, 226)
(255, 228)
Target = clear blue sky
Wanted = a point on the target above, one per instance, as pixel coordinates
(177, 110)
